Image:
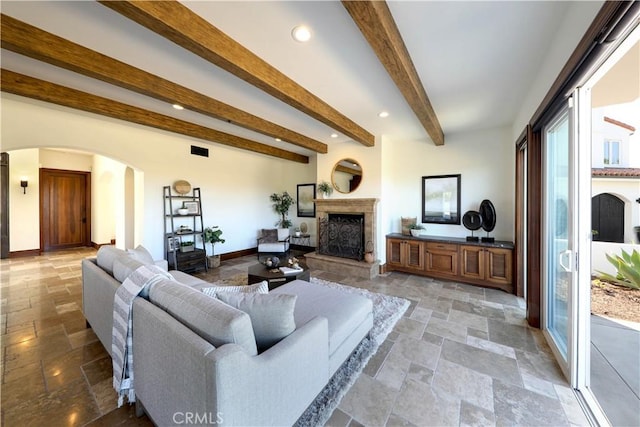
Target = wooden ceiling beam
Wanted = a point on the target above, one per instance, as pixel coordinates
(179, 24)
(378, 27)
(33, 42)
(31, 87)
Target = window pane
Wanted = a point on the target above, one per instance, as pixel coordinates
(615, 153)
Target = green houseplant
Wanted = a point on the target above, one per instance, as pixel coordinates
(186, 246)
(628, 269)
(325, 188)
(415, 229)
(281, 204)
(212, 235)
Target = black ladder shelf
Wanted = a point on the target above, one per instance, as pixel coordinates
(179, 230)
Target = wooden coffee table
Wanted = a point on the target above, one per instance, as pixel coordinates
(260, 272)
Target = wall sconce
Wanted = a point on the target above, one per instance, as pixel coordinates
(24, 183)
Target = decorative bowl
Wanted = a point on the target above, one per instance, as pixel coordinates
(183, 211)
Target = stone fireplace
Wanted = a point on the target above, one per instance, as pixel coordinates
(346, 228)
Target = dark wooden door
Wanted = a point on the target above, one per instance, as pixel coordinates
(65, 209)
(607, 218)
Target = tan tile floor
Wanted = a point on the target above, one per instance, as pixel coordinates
(461, 355)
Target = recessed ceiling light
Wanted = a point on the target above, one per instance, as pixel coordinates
(278, 139)
(178, 107)
(383, 114)
(334, 135)
(301, 33)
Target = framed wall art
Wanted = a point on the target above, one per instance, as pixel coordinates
(192, 207)
(306, 205)
(441, 199)
(173, 244)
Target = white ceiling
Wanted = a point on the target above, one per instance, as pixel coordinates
(471, 57)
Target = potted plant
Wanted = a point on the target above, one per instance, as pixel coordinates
(325, 189)
(415, 229)
(186, 246)
(212, 235)
(281, 204)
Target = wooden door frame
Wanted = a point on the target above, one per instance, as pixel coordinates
(519, 261)
(87, 193)
(4, 200)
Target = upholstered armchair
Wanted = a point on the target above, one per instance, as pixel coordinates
(273, 241)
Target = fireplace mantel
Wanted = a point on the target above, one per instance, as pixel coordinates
(366, 206)
(351, 205)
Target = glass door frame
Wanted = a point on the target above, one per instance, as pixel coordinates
(581, 376)
(566, 362)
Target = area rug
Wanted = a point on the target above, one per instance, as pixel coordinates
(387, 310)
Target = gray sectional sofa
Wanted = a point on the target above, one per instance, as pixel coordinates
(196, 359)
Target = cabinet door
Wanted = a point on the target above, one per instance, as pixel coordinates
(472, 260)
(499, 266)
(441, 259)
(414, 255)
(394, 252)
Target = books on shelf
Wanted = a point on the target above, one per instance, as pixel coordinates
(289, 270)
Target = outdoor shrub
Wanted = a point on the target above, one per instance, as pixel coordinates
(628, 267)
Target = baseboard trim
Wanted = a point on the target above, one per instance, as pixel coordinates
(27, 253)
(98, 245)
(238, 254)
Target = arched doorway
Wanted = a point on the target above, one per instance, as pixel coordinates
(607, 218)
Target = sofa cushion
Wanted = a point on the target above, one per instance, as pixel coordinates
(213, 320)
(141, 254)
(123, 266)
(106, 255)
(256, 288)
(271, 315)
(269, 235)
(343, 310)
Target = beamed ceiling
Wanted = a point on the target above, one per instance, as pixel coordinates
(435, 67)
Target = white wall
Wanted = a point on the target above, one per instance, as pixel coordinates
(55, 159)
(486, 161)
(599, 261)
(235, 184)
(107, 182)
(24, 212)
(578, 17)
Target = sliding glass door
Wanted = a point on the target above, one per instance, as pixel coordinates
(559, 250)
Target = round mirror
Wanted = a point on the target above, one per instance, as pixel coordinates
(346, 176)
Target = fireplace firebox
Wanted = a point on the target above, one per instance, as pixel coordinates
(342, 235)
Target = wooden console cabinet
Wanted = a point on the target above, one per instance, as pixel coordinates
(478, 263)
(405, 255)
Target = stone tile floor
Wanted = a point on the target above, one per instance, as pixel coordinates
(461, 355)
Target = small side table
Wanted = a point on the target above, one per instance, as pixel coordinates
(302, 240)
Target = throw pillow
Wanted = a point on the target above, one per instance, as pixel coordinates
(141, 254)
(124, 266)
(269, 235)
(271, 315)
(256, 288)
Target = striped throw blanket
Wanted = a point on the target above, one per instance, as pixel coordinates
(122, 343)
